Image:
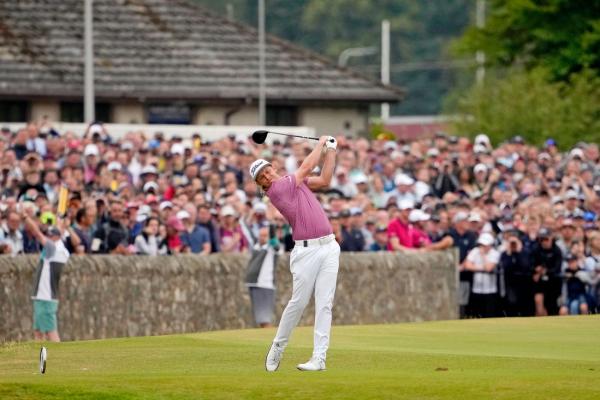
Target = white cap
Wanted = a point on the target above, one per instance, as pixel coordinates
(571, 194)
(474, 217)
(482, 138)
(418, 216)
(486, 239)
(359, 178)
(257, 166)
(228, 211)
(91, 150)
(260, 208)
(115, 166)
(95, 128)
(165, 204)
(460, 216)
(479, 148)
(403, 179)
(177, 148)
(406, 204)
(433, 152)
(576, 152)
(149, 169)
(127, 146)
(150, 185)
(480, 168)
(183, 215)
(390, 145)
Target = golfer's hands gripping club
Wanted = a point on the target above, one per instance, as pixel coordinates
(331, 143)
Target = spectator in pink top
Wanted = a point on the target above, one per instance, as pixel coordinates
(399, 230)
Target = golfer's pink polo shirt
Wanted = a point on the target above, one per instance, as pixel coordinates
(298, 204)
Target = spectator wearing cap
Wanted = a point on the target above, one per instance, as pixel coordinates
(112, 236)
(195, 237)
(404, 189)
(547, 260)
(91, 155)
(380, 239)
(574, 288)
(174, 228)
(206, 219)
(46, 283)
(256, 221)
(399, 230)
(353, 238)
(567, 236)
(515, 265)
(165, 210)
(482, 261)
(418, 219)
(232, 239)
(148, 242)
(461, 236)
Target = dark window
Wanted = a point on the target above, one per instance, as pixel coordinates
(72, 111)
(282, 115)
(174, 113)
(14, 111)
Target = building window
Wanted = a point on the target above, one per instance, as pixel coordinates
(14, 111)
(174, 113)
(282, 116)
(72, 111)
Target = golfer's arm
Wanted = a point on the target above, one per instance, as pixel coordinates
(324, 179)
(309, 163)
(35, 230)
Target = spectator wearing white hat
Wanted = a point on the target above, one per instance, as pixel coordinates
(418, 219)
(399, 230)
(483, 262)
(404, 189)
(232, 239)
(194, 238)
(91, 157)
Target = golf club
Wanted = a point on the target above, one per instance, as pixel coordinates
(260, 136)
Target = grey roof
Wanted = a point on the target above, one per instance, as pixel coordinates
(157, 49)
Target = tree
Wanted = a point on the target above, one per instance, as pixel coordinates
(561, 36)
(529, 104)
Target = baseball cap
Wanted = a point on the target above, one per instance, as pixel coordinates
(183, 214)
(433, 152)
(486, 239)
(355, 211)
(571, 194)
(149, 169)
(460, 216)
(344, 213)
(165, 204)
(479, 148)
(257, 166)
(260, 208)
(127, 146)
(91, 150)
(150, 186)
(177, 149)
(114, 166)
(482, 138)
(228, 211)
(567, 222)
(550, 142)
(406, 204)
(359, 178)
(480, 168)
(474, 217)
(48, 217)
(544, 233)
(403, 179)
(576, 152)
(571, 257)
(417, 215)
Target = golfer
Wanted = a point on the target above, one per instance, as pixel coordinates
(314, 261)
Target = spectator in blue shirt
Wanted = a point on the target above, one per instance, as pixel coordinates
(195, 237)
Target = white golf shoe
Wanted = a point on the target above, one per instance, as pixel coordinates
(273, 357)
(314, 364)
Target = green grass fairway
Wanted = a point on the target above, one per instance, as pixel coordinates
(535, 358)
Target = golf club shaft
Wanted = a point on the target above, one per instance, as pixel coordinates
(296, 136)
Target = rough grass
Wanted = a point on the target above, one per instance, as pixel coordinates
(535, 358)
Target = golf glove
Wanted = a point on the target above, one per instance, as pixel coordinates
(331, 143)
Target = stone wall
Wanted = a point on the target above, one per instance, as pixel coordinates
(115, 296)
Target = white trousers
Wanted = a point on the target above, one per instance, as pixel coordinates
(313, 268)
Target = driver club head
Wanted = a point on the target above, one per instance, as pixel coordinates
(259, 137)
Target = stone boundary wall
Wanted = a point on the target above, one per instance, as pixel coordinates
(117, 296)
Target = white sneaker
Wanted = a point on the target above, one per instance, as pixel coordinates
(314, 364)
(273, 358)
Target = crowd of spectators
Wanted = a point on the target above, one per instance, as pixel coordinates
(524, 219)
